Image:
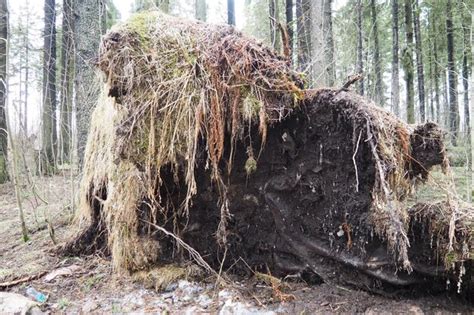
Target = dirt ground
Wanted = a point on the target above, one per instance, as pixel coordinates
(93, 287)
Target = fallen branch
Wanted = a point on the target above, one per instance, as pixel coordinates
(350, 80)
(18, 281)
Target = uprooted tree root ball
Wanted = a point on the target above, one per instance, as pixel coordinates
(211, 137)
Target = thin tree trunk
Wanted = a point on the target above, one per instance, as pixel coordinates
(419, 62)
(408, 63)
(395, 62)
(27, 73)
(436, 74)
(329, 43)
(87, 31)
(3, 91)
(452, 77)
(289, 21)
(360, 48)
(4, 50)
(318, 45)
(49, 133)
(200, 10)
(379, 95)
(472, 102)
(67, 67)
(230, 12)
(465, 73)
(303, 34)
(273, 10)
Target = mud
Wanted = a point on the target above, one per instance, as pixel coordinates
(303, 212)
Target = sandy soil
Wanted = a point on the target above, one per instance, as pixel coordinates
(93, 287)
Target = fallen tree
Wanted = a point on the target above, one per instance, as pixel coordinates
(211, 137)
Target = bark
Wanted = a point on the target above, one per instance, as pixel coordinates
(303, 34)
(436, 74)
(465, 79)
(452, 77)
(379, 95)
(289, 21)
(67, 68)
(200, 10)
(395, 63)
(360, 48)
(230, 12)
(419, 62)
(408, 63)
(3, 91)
(329, 44)
(87, 31)
(318, 44)
(49, 133)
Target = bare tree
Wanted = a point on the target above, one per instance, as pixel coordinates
(3, 91)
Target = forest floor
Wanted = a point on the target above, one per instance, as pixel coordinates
(89, 285)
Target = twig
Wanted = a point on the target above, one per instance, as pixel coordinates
(8, 284)
(286, 42)
(194, 254)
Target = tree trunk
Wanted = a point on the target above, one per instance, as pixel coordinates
(452, 77)
(49, 133)
(408, 63)
(87, 31)
(419, 62)
(465, 78)
(303, 34)
(200, 10)
(289, 21)
(378, 95)
(436, 73)
(230, 12)
(360, 48)
(67, 68)
(273, 10)
(27, 73)
(318, 45)
(395, 63)
(329, 44)
(3, 91)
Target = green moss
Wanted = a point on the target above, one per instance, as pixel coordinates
(251, 106)
(140, 23)
(250, 165)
